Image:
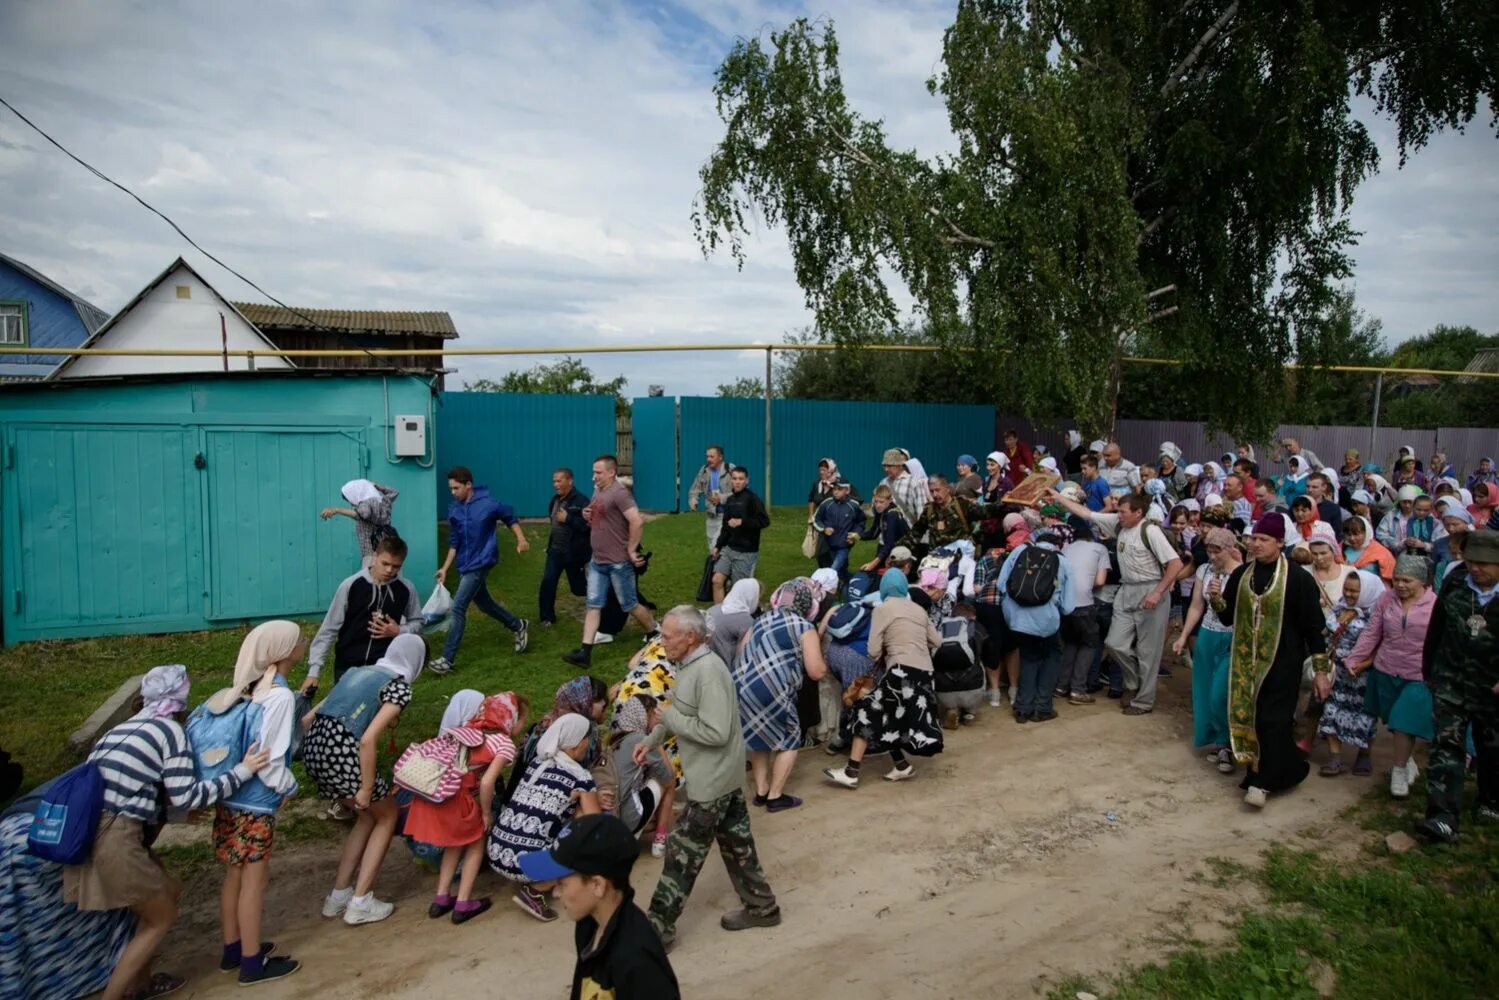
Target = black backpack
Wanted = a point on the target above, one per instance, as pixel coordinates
(1033, 580)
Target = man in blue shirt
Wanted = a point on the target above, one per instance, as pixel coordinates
(1036, 624)
(472, 517)
(1095, 487)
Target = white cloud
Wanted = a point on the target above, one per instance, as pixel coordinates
(529, 167)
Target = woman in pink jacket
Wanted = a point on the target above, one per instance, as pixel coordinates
(1392, 643)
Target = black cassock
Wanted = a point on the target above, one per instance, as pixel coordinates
(1281, 763)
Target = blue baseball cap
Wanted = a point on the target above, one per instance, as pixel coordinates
(598, 844)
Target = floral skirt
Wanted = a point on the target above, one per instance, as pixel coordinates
(901, 713)
(1343, 717)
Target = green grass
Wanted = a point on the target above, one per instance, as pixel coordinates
(47, 689)
(1420, 924)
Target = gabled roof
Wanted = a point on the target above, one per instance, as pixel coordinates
(89, 314)
(361, 321)
(1486, 360)
(172, 268)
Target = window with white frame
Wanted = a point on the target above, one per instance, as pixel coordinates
(13, 323)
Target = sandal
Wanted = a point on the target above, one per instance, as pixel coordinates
(161, 984)
(1332, 768)
(1362, 765)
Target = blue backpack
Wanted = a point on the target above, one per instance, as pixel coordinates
(219, 739)
(67, 817)
(850, 622)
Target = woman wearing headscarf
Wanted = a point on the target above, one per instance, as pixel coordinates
(244, 824)
(485, 729)
(822, 489)
(340, 757)
(650, 672)
(900, 713)
(1363, 551)
(1351, 475)
(1408, 473)
(555, 787)
(1072, 458)
(1293, 483)
(1172, 473)
(1485, 473)
(645, 791)
(920, 480)
(1214, 644)
(998, 482)
(1392, 643)
(781, 650)
(1210, 482)
(369, 507)
(584, 695)
(968, 484)
(730, 621)
(1344, 718)
(1327, 566)
(147, 767)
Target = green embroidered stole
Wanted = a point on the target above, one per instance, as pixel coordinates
(1257, 622)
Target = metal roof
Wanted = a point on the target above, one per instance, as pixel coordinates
(365, 321)
(89, 314)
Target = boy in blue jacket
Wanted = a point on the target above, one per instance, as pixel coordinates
(841, 520)
(888, 524)
(472, 518)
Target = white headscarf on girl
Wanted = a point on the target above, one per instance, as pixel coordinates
(357, 491)
(743, 597)
(462, 707)
(163, 692)
(406, 656)
(267, 643)
(565, 732)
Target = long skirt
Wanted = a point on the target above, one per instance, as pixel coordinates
(1210, 688)
(1343, 717)
(1403, 705)
(49, 948)
(901, 713)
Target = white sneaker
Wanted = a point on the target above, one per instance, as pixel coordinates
(1256, 797)
(901, 773)
(600, 638)
(839, 776)
(440, 666)
(334, 907)
(371, 912)
(1411, 770)
(1400, 782)
(994, 697)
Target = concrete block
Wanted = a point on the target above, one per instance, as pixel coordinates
(1399, 842)
(116, 709)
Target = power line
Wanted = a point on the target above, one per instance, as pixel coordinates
(163, 217)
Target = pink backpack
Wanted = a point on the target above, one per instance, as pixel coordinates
(434, 769)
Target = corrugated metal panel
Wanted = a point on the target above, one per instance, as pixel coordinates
(512, 442)
(737, 425)
(1466, 445)
(855, 435)
(267, 552)
(104, 526)
(653, 461)
(265, 316)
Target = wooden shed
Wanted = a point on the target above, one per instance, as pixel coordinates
(299, 329)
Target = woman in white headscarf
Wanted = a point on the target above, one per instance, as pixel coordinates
(555, 788)
(1211, 481)
(919, 476)
(245, 823)
(730, 621)
(464, 705)
(998, 481)
(340, 754)
(370, 508)
(1344, 720)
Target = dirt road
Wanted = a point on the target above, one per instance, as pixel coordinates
(993, 874)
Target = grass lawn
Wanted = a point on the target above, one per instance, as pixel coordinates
(1414, 925)
(47, 689)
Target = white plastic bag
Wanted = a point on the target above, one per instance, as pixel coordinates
(435, 611)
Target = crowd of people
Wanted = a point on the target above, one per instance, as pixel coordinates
(1311, 605)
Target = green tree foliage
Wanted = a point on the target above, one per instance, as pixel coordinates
(1118, 162)
(1453, 402)
(743, 388)
(568, 377)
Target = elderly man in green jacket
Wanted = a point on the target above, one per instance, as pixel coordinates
(704, 717)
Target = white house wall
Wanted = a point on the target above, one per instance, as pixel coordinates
(164, 319)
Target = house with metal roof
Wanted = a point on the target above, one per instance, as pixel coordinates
(36, 311)
(295, 329)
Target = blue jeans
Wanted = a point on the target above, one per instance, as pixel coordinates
(546, 599)
(618, 576)
(1040, 666)
(839, 564)
(471, 589)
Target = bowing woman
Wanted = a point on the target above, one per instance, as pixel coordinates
(1276, 616)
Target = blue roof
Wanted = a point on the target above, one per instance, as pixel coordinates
(55, 316)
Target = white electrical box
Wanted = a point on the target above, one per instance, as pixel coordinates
(411, 436)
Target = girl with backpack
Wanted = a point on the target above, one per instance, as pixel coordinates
(487, 726)
(244, 824)
(370, 509)
(343, 737)
(147, 766)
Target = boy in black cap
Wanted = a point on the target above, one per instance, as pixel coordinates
(619, 954)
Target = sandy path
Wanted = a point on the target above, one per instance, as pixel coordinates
(993, 873)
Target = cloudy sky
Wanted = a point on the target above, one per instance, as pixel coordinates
(528, 167)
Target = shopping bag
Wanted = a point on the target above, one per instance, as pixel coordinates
(809, 543)
(705, 585)
(435, 611)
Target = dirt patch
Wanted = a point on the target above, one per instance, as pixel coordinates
(1021, 855)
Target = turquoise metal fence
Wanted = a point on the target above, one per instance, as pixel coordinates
(653, 425)
(512, 443)
(737, 425)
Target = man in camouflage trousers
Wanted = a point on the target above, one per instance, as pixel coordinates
(704, 717)
(1461, 666)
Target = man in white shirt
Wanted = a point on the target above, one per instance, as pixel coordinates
(1122, 475)
(1087, 569)
(1148, 567)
